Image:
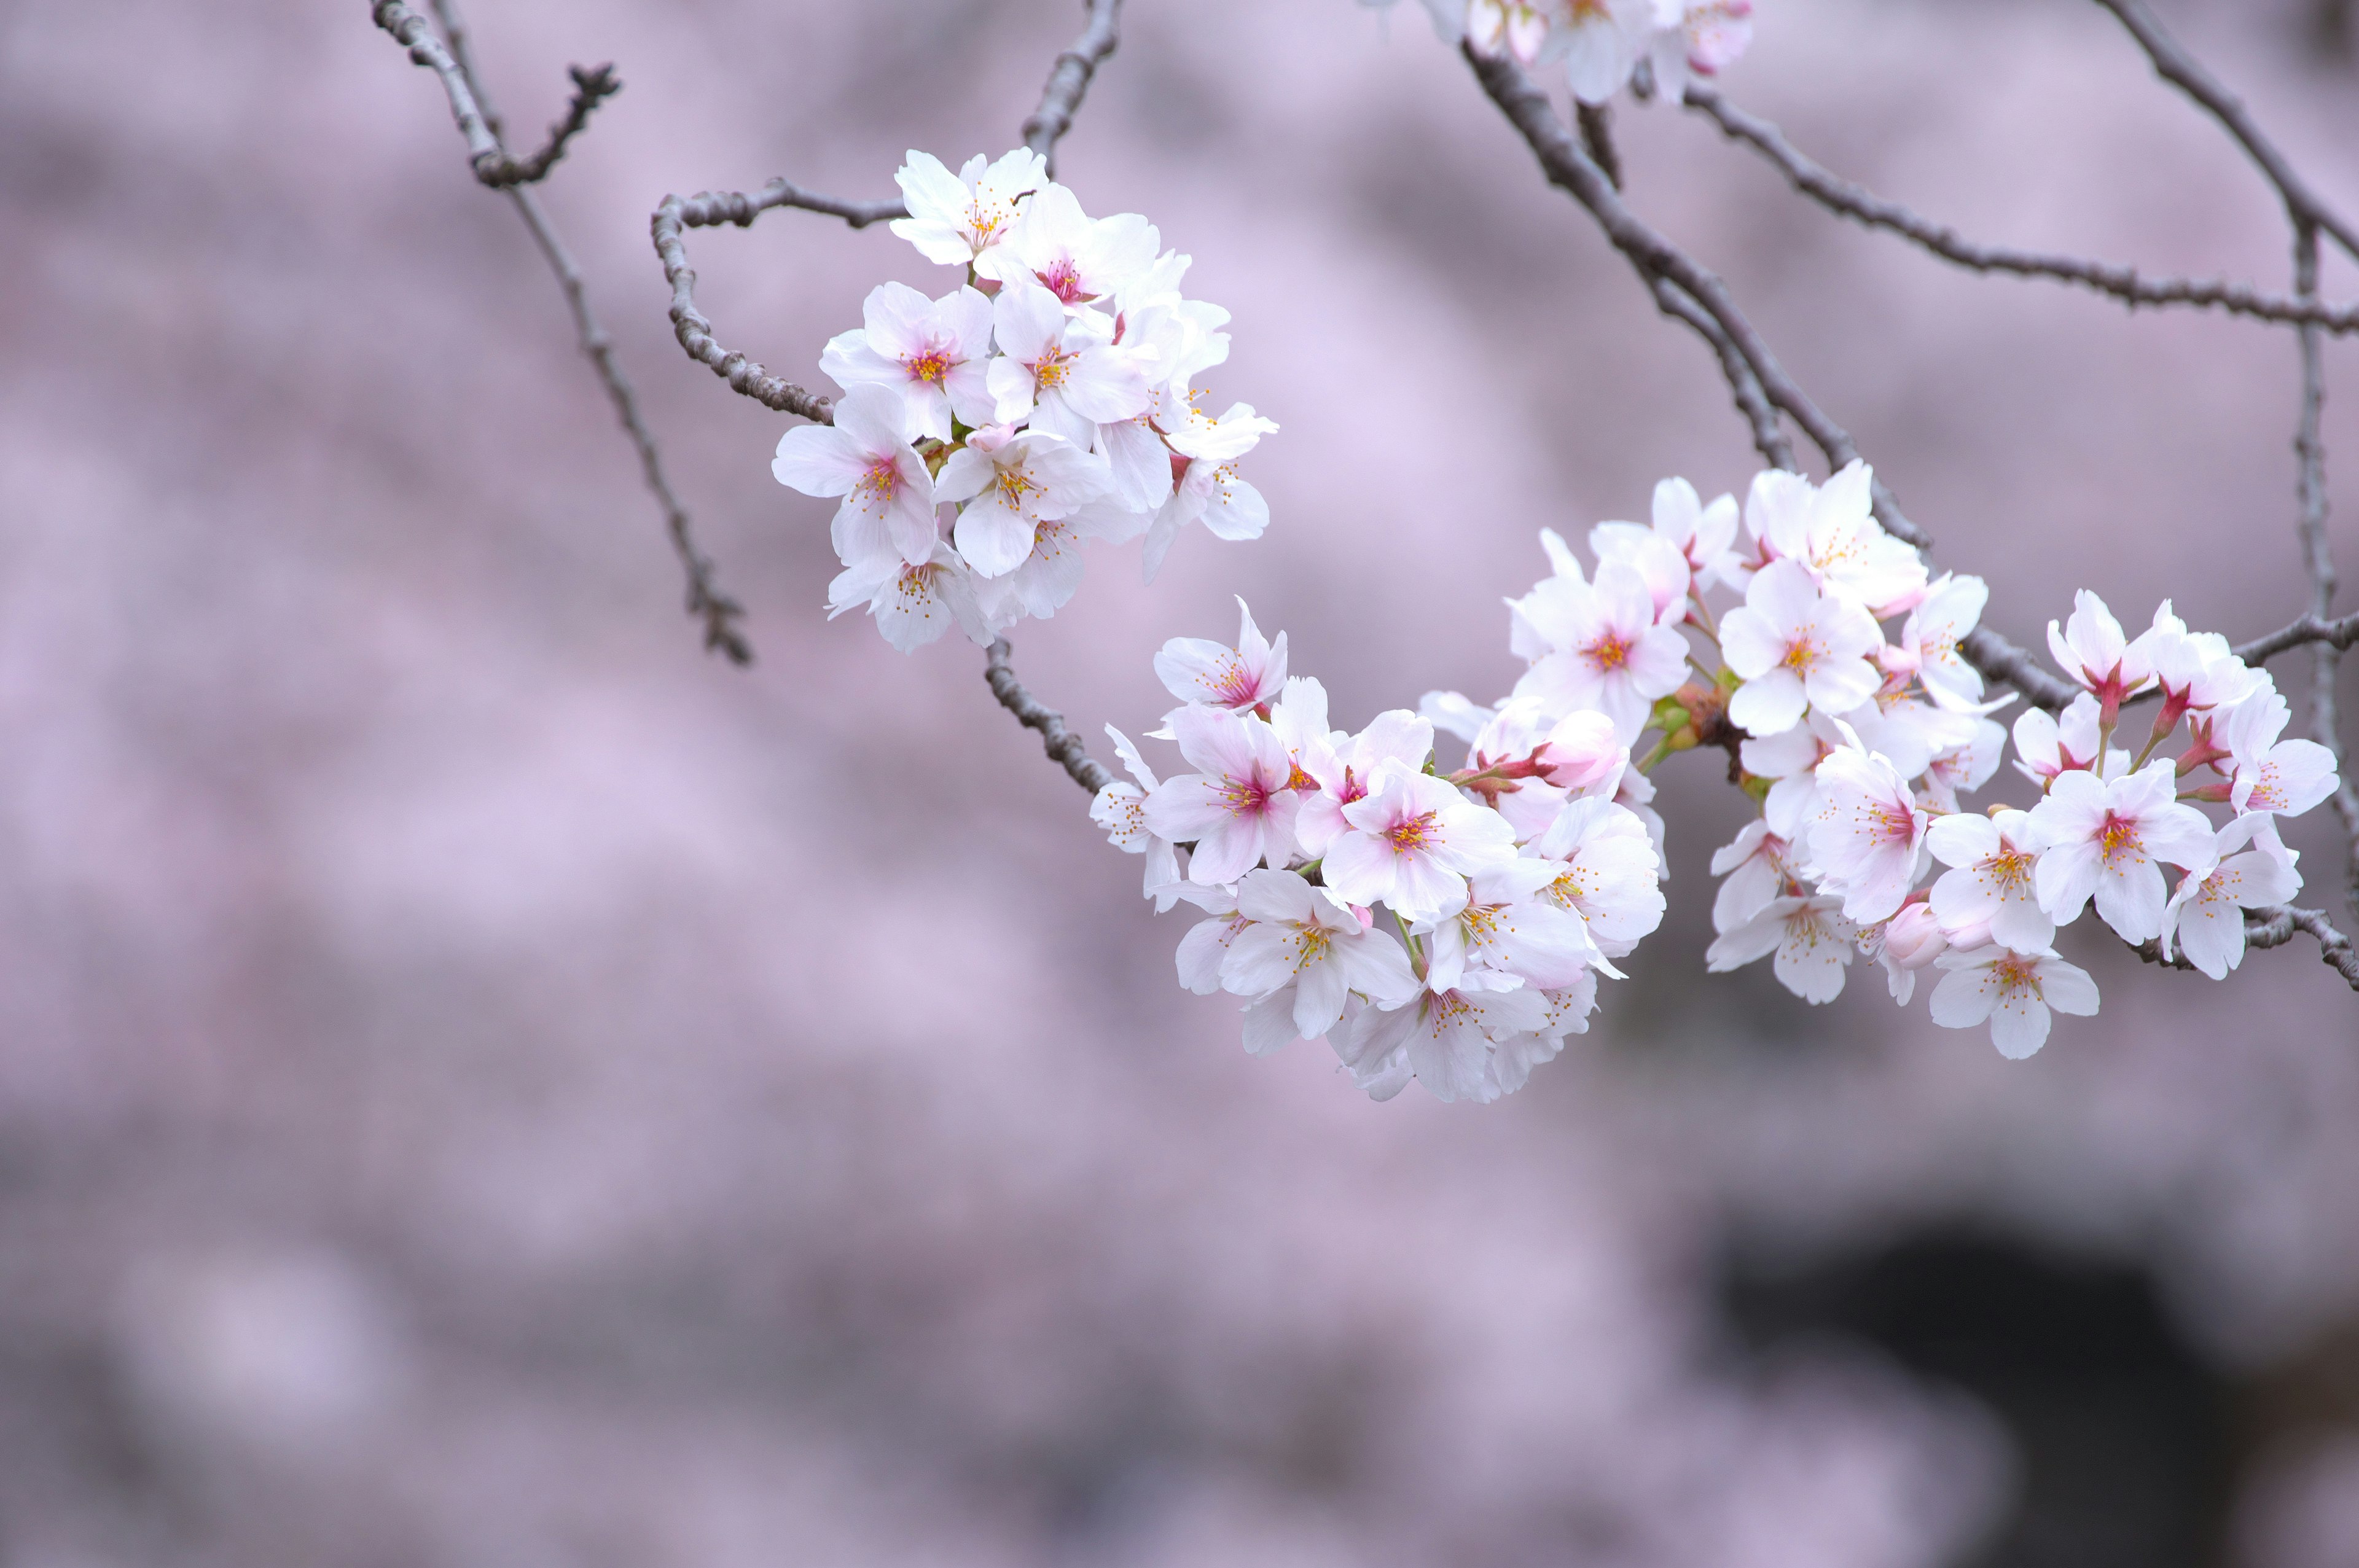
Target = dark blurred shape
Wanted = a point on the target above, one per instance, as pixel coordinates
(2331, 29)
(2122, 1427)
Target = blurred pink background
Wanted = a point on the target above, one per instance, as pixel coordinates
(485, 1083)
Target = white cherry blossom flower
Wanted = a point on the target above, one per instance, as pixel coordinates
(1121, 809)
(1756, 867)
(2046, 745)
(2015, 991)
(1208, 487)
(1347, 770)
(1789, 759)
(1847, 550)
(1795, 648)
(1062, 372)
(1812, 941)
(2110, 839)
(1206, 945)
(1508, 926)
(2197, 671)
(1602, 41)
(1909, 942)
(1045, 579)
(1240, 679)
(959, 219)
(1698, 37)
(1443, 1039)
(1303, 939)
(931, 351)
(1608, 873)
(1012, 481)
(888, 496)
(1965, 767)
(1952, 607)
(1990, 884)
(1703, 534)
(1605, 650)
(1409, 843)
(1074, 257)
(2282, 777)
(1239, 809)
(2090, 648)
(2205, 918)
(1659, 563)
(1454, 713)
(913, 604)
(1868, 836)
(1517, 27)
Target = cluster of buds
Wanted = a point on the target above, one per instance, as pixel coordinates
(1605, 44)
(1445, 926)
(1047, 400)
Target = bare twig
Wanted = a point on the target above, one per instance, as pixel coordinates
(2318, 558)
(2307, 630)
(2274, 927)
(1657, 259)
(1064, 747)
(485, 155)
(691, 325)
(2122, 282)
(2183, 70)
(1744, 387)
(591, 88)
(1069, 78)
(1596, 122)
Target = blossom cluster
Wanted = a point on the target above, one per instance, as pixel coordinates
(1445, 926)
(1048, 399)
(1856, 724)
(1605, 44)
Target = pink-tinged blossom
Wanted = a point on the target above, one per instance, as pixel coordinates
(1207, 488)
(1756, 868)
(1454, 713)
(1045, 579)
(1909, 942)
(1347, 770)
(2205, 918)
(1012, 481)
(1868, 836)
(1064, 373)
(1239, 808)
(1121, 809)
(1908, 732)
(1443, 1039)
(1507, 926)
(1514, 1055)
(2284, 778)
(1583, 753)
(1952, 607)
(1789, 759)
(2111, 839)
(931, 351)
(1517, 27)
(2196, 671)
(1989, 886)
(1410, 842)
(2090, 649)
(913, 604)
(2046, 745)
(1607, 872)
(1659, 563)
(1966, 767)
(888, 496)
(1795, 648)
(1701, 535)
(1076, 258)
(959, 219)
(1605, 652)
(1206, 945)
(1698, 37)
(1847, 550)
(1812, 941)
(2015, 991)
(1242, 678)
(1302, 939)
(1602, 41)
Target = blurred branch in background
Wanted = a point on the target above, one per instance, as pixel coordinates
(480, 124)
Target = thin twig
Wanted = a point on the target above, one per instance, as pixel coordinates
(694, 328)
(2307, 630)
(1657, 258)
(1596, 122)
(2183, 70)
(2124, 283)
(2318, 557)
(591, 88)
(1069, 78)
(2275, 926)
(718, 611)
(1064, 747)
(1744, 387)
(485, 155)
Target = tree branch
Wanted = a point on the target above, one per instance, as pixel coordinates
(1744, 387)
(2122, 282)
(694, 329)
(480, 124)
(1069, 79)
(2309, 629)
(2275, 926)
(1657, 259)
(2318, 558)
(1064, 747)
(2183, 70)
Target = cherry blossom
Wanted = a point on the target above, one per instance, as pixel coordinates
(2090, 649)
(2205, 918)
(913, 605)
(1506, 926)
(1012, 480)
(959, 219)
(1605, 652)
(2046, 745)
(2015, 991)
(1952, 606)
(1834, 533)
(1064, 373)
(1795, 648)
(1789, 759)
(1409, 842)
(1242, 678)
(888, 496)
(1755, 866)
(2111, 839)
(1701, 535)
(1909, 942)
(1868, 836)
(1074, 257)
(1443, 1039)
(1812, 941)
(1701, 37)
(1121, 809)
(1991, 882)
(1607, 872)
(1603, 42)
(932, 351)
(2283, 777)
(1239, 808)
(1206, 945)
(1303, 940)
(1345, 773)
(1207, 487)
(1519, 27)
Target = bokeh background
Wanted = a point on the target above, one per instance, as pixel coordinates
(482, 1082)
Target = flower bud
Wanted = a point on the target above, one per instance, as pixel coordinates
(1581, 753)
(1915, 938)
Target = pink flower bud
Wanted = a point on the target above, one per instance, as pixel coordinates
(1964, 938)
(1581, 752)
(1915, 938)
